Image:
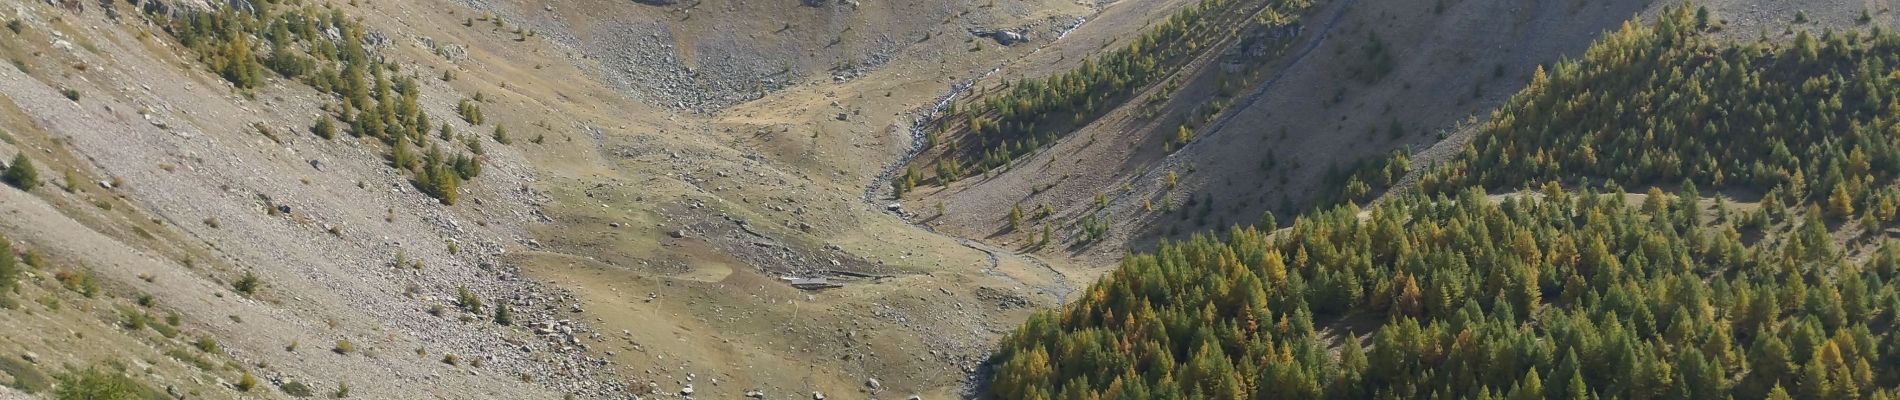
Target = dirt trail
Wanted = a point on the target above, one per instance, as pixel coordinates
(874, 190)
(1060, 289)
(920, 124)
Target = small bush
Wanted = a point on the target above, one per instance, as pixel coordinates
(206, 344)
(501, 135)
(248, 284)
(9, 267)
(470, 111)
(21, 173)
(504, 317)
(344, 347)
(295, 389)
(168, 331)
(467, 300)
(133, 320)
(70, 93)
(247, 382)
(324, 129)
(94, 383)
(81, 282)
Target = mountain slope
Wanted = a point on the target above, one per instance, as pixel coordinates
(193, 195)
(1549, 293)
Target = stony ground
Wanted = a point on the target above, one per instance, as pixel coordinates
(1274, 143)
(642, 244)
(697, 159)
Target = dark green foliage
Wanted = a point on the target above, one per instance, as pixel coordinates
(1094, 227)
(1362, 180)
(1667, 104)
(26, 376)
(904, 183)
(471, 112)
(296, 389)
(467, 300)
(21, 173)
(1473, 295)
(248, 284)
(324, 128)
(206, 344)
(223, 41)
(375, 99)
(9, 267)
(504, 317)
(1553, 292)
(246, 382)
(1030, 113)
(96, 384)
(441, 178)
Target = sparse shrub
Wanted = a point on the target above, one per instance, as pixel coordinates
(94, 383)
(467, 300)
(70, 93)
(504, 317)
(206, 344)
(21, 173)
(248, 284)
(1015, 217)
(343, 347)
(81, 282)
(247, 382)
(451, 360)
(132, 319)
(168, 331)
(295, 389)
(501, 135)
(342, 390)
(9, 267)
(324, 129)
(470, 111)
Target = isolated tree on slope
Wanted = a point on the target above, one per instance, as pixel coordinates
(21, 173)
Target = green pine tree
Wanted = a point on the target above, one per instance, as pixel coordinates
(21, 173)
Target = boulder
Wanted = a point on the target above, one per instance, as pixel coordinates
(1007, 38)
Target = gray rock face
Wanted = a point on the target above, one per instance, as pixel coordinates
(1007, 38)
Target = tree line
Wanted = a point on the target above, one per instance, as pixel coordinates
(330, 52)
(1570, 286)
(1027, 114)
